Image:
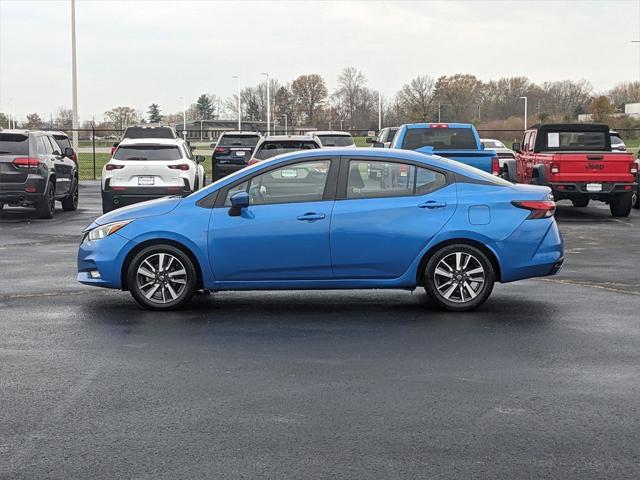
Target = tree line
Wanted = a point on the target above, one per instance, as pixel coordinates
(353, 104)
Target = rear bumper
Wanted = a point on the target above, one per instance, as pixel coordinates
(121, 196)
(573, 189)
(221, 170)
(28, 192)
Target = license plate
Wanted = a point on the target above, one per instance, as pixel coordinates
(240, 154)
(594, 187)
(146, 180)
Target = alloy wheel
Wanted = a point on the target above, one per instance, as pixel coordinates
(459, 277)
(161, 278)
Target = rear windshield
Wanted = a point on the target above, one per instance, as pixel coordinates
(14, 144)
(616, 140)
(439, 139)
(576, 140)
(62, 141)
(272, 148)
(138, 132)
(146, 152)
(336, 140)
(238, 141)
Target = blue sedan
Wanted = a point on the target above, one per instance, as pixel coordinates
(315, 220)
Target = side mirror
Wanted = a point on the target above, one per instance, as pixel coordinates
(370, 140)
(200, 158)
(515, 146)
(378, 145)
(68, 152)
(192, 147)
(239, 200)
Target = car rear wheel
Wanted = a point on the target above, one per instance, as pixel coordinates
(620, 205)
(580, 202)
(161, 277)
(459, 277)
(70, 202)
(635, 198)
(46, 206)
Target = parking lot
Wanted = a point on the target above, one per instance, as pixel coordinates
(541, 381)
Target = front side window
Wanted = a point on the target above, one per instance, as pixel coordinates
(147, 152)
(299, 182)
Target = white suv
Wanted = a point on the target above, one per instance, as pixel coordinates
(334, 139)
(147, 168)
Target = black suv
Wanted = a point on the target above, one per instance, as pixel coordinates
(35, 171)
(232, 152)
(146, 131)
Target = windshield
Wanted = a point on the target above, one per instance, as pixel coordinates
(336, 140)
(238, 141)
(439, 139)
(139, 132)
(147, 152)
(272, 148)
(14, 144)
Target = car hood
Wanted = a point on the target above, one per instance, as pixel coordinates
(151, 208)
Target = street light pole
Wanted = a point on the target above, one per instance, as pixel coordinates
(286, 123)
(74, 76)
(379, 111)
(268, 106)
(237, 77)
(525, 111)
(184, 117)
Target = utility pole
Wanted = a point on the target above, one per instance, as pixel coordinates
(525, 111)
(237, 77)
(74, 75)
(268, 106)
(286, 123)
(379, 111)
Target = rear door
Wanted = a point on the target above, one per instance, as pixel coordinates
(63, 166)
(12, 146)
(379, 226)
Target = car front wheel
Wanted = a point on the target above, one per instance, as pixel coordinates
(459, 277)
(161, 277)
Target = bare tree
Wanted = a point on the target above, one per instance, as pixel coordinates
(351, 84)
(121, 117)
(460, 94)
(417, 98)
(310, 93)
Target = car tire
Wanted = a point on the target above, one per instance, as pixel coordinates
(620, 205)
(46, 206)
(635, 198)
(1, 205)
(580, 202)
(70, 202)
(458, 293)
(161, 277)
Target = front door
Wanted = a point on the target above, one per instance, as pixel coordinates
(385, 222)
(283, 234)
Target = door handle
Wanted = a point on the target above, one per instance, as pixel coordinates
(311, 217)
(431, 204)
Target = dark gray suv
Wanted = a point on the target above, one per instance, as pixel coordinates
(35, 171)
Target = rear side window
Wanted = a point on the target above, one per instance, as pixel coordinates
(138, 132)
(147, 152)
(336, 140)
(238, 141)
(575, 140)
(14, 144)
(271, 148)
(439, 139)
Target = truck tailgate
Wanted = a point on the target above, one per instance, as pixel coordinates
(480, 159)
(592, 166)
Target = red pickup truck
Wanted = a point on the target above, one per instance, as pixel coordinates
(575, 160)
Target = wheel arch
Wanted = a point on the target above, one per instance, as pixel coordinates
(159, 241)
(453, 241)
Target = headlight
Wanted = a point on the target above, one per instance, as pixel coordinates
(105, 230)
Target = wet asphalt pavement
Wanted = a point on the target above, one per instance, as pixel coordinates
(542, 382)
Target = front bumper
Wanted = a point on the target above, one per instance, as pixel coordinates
(106, 257)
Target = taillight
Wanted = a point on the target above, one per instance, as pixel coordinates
(253, 161)
(495, 166)
(555, 168)
(26, 162)
(74, 157)
(182, 166)
(113, 166)
(113, 150)
(438, 125)
(633, 169)
(538, 208)
(221, 150)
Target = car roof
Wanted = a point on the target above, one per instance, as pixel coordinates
(337, 133)
(431, 124)
(150, 126)
(18, 130)
(288, 137)
(152, 141)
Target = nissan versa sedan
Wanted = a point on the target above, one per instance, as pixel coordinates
(314, 220)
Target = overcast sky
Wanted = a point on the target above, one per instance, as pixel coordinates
(138, 52)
